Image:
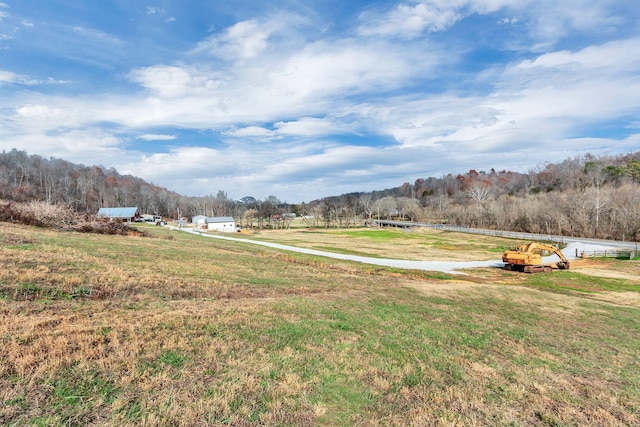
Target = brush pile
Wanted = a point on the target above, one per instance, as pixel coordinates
(59, 217)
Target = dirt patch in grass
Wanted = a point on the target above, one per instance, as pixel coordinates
(627, 270)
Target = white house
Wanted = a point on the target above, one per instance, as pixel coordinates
(226, 224)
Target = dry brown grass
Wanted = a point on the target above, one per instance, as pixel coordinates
(110, 330)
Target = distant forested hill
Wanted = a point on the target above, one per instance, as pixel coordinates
(26, 177)
(585, 196)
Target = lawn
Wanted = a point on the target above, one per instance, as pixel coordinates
(177, 329)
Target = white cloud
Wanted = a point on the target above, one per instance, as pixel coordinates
(413, 18)
(317, 78)
(10, 77)
(160, 11)
(410, 20)
(3, 14)
(7, 77)
(349, 66)
(612, 56)
(547, 20)
(172, 81)
(310, 127)
(244, 40)
(156, 137)
(305, 127)
(87, 146)
(151, 10)
(257, 132)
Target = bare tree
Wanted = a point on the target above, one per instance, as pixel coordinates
(595, 171)
(409, 208)
(480, 194)
(386, 206)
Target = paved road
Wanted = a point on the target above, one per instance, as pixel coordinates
(575, 247)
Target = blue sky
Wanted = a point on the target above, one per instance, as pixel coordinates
(303, 99)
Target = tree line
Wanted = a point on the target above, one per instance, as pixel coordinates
(584, 196)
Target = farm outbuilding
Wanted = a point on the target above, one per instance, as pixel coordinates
(226, 224)
(199, 220)
(128, 214)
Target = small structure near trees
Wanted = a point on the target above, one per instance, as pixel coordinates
(128, 214)
(199, 220)
(225, 224)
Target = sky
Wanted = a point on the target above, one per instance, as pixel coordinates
(303, 99)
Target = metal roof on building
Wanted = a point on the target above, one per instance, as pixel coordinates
(215, 219)
(118, 212)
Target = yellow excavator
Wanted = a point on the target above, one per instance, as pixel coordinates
(528, 258)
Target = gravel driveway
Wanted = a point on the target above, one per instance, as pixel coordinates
(451, 267)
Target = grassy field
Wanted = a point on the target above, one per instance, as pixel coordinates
(179, 330)
(415, 244)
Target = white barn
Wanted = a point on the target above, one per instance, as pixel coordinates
(226, 224)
